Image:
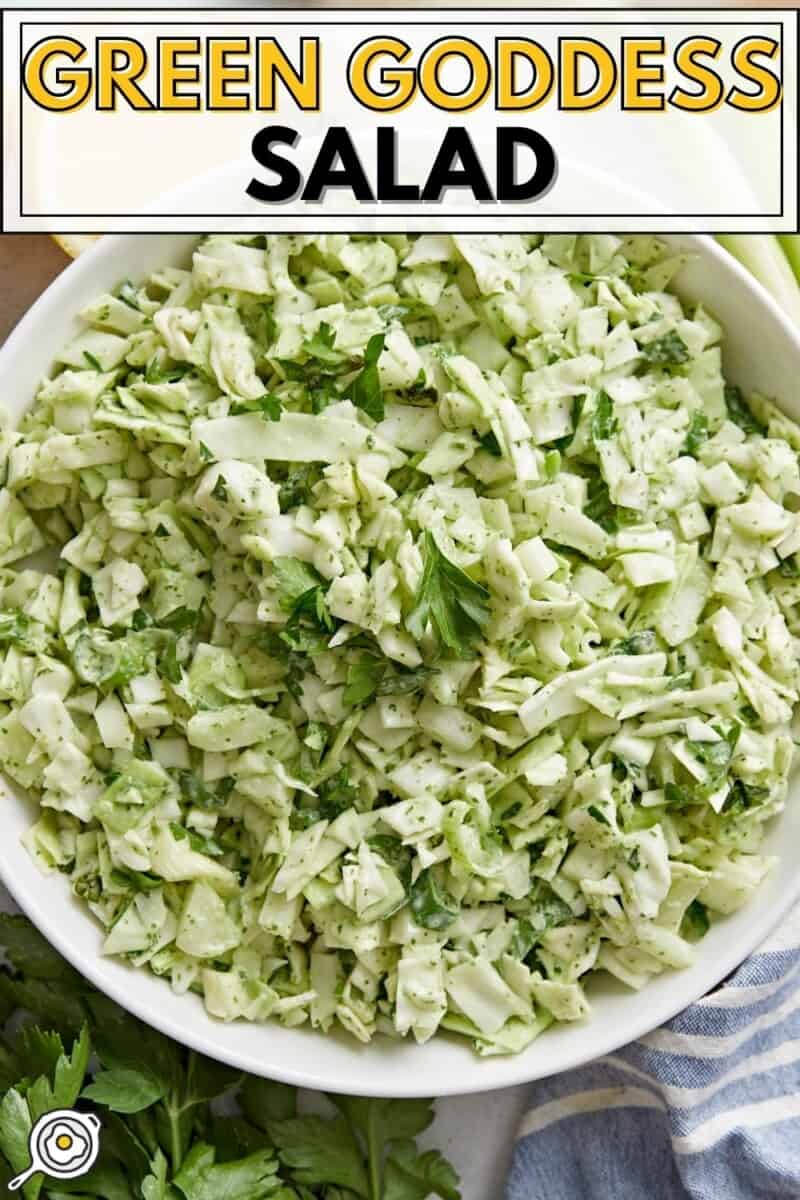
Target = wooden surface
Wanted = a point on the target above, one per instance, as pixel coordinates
(28, 262)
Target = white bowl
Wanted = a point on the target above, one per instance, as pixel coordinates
(763, 352)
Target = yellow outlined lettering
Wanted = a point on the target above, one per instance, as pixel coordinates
(430, 67)
(303, 85)
(571, 51)
(173, 72)
(222, 72)
(768, 84)
(687, 54)
(637, 73)
(509, 51)
(121, 63)
(401, 82)
(77, 80)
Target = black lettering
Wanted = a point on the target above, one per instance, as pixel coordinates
(456, 146)
(337, 145)
(509, 188)
(388, 187)
(288, 174)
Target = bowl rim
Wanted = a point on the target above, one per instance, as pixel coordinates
(520, 1068)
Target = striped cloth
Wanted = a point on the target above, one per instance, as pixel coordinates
(706, 1108)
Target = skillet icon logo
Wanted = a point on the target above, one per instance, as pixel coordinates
(63, 1143)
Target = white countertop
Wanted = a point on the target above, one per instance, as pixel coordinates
(476, 1133)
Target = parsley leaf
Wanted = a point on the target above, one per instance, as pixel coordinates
(39, 1050)
(161, 1139)
(169, 662)
(269, 405)
(604, 423)
(125, 1090)
(675, 795)
(203, 845)
(491, 445)
(455, 605)
(391, 1125)
(363, 678)
(135, 881)
(372, 676)
(669, 350)
(265, 1100)
(322, 346)
(199, 794)
(14, 626)
(600, 509)
(28, 951)
(336, 794)
(155, 1186)
(365, 390)
(296, 487)
(739, 411)
(292, 577)
(22, 1106)
(697, 432)
(643, 642)
(695, 923)
(315, 743)
(405, 681)
(433, 907)
(789, 567)
(384, 1120)
(310, 623)
(412, 1176)
(321, 1152)
(15, 1128)
(744, 796)
(716, 755)
(251, 1178)
(220, 489)
(156, 373)
(180, 619)
(323, 391)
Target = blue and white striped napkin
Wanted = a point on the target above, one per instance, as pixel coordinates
(706, 1108)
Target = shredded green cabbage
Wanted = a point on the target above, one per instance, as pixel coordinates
(424, 633)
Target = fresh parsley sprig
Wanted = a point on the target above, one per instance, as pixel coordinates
(322, 346)
(326, 362)
(375, 675)
(163, 1137)
(456, 607)
(365, 390)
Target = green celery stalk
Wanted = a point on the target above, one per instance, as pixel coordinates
(791, 248)
(763, 255)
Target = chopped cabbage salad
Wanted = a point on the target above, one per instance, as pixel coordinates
(423, 634)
